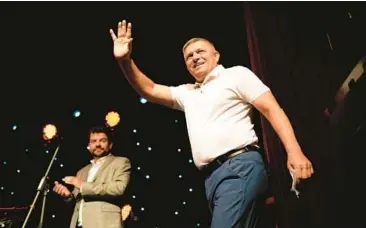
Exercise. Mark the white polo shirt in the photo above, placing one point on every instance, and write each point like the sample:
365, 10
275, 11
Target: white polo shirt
218, 111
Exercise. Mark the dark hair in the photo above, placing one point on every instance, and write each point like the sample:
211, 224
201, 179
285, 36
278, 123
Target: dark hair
102, 129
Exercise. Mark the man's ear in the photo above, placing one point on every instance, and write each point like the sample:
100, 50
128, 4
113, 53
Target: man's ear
110, 146
217, 56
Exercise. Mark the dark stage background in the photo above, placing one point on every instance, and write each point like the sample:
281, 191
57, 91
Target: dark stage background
56, 57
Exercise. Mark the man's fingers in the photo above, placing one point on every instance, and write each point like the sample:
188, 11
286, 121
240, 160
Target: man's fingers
114, 37
58, 188
67, 180
309, 172
64, 191
298, 172
121, 29
129, 30
304, 173
124, 28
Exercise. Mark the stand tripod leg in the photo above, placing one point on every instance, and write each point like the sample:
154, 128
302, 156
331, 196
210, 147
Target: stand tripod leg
40, 224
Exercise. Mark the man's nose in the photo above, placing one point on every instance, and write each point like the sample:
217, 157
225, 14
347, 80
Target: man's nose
195, 56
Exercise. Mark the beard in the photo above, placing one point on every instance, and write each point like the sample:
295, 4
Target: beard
101, 152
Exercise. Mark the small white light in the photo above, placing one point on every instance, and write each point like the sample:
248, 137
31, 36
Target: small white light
184, 202
47, 151
142, 209
176, 121
176, 213
18, 171
143, 100
15, 127
198, 224
61, 165
53, 216
133, 197
190, 160
180, 176
138, 168
147, 177
134, 130
138, 144
2, 187
179, 150
190, 189
12, 193
149, 148
76, 113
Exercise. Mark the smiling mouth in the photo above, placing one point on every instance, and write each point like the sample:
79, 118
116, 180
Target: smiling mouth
199, 65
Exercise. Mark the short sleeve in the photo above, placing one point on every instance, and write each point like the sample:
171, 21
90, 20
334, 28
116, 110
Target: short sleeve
248, 85
178, 94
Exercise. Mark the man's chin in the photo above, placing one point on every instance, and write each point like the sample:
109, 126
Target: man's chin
199, 77
96, 155
102, 154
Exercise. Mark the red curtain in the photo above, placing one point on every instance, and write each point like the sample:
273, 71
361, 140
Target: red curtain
289, 51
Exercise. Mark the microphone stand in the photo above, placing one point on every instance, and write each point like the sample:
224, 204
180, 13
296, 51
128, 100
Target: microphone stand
42, 188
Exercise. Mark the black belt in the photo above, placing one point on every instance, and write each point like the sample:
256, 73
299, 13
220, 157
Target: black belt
212, 166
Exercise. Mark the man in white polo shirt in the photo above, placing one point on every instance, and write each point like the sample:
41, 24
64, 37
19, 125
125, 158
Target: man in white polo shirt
223, 142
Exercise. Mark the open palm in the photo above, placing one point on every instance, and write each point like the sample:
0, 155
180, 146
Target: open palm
123, 41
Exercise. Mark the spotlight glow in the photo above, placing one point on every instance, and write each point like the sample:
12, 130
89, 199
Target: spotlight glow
49, 131
112, 119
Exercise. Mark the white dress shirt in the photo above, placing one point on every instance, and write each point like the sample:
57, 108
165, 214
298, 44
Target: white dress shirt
96, 164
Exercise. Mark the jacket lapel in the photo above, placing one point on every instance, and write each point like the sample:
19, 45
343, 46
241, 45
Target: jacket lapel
84, 175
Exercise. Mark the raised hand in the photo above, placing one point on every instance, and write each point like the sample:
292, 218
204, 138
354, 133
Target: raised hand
61, 190
122, 42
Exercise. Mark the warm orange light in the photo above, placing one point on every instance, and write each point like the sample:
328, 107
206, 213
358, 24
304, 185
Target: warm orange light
112, 119
49, 131
126, 211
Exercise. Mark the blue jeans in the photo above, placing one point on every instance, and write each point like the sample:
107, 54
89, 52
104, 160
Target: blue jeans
235, 191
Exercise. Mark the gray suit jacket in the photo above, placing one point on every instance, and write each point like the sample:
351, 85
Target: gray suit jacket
102, 196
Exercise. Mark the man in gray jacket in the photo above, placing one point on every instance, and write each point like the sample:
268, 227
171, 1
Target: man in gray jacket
99, 186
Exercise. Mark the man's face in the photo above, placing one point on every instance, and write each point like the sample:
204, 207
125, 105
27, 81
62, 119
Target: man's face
99, 145
200, 58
